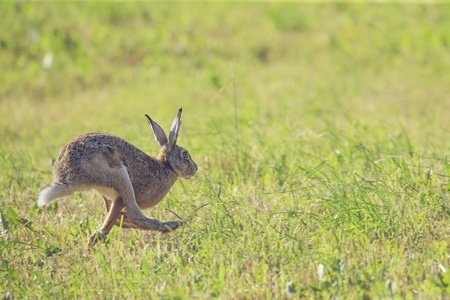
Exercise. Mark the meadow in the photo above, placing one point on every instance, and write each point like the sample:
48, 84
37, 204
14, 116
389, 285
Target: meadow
321, 132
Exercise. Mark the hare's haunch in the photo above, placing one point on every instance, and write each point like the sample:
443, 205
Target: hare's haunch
128, 179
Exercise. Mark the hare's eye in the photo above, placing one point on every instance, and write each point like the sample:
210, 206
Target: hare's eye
185, 154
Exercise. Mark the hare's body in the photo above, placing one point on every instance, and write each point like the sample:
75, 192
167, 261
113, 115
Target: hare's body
85, 159
126, 177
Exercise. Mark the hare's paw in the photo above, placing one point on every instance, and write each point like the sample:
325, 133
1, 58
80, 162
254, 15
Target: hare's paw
171, 225
95, 237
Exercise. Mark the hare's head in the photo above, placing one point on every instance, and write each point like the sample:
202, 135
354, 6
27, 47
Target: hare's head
177, 157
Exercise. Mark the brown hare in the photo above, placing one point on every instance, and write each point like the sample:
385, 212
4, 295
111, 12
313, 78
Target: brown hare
128, 179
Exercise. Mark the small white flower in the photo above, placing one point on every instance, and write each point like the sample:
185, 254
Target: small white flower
236, 190
290, 289
390, 285
320, 268
47, 61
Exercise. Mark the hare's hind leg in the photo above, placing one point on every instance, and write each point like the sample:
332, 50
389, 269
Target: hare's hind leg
125, 221
133, 216
115, 182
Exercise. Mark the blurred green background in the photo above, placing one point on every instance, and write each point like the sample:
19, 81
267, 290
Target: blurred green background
323, 129
320, 65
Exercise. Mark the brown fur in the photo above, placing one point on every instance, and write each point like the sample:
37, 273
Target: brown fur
128, 179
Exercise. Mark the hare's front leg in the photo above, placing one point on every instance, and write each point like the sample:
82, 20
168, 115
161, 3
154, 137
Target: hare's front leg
121, 220
114, 210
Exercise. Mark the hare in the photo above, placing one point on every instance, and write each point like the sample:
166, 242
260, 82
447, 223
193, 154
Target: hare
128, 179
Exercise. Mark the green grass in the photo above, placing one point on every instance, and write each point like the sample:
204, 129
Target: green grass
322, 134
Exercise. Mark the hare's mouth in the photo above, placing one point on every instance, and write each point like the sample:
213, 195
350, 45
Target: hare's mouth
187, 176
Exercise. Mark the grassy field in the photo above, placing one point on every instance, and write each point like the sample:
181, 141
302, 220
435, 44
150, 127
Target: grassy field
322, 133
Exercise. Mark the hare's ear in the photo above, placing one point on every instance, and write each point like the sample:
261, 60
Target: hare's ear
160, 136
174, 129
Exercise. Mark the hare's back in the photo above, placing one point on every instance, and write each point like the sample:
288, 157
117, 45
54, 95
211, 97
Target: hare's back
90, 146
89, 159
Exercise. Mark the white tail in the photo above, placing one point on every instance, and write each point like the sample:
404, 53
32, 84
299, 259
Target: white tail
52, 192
